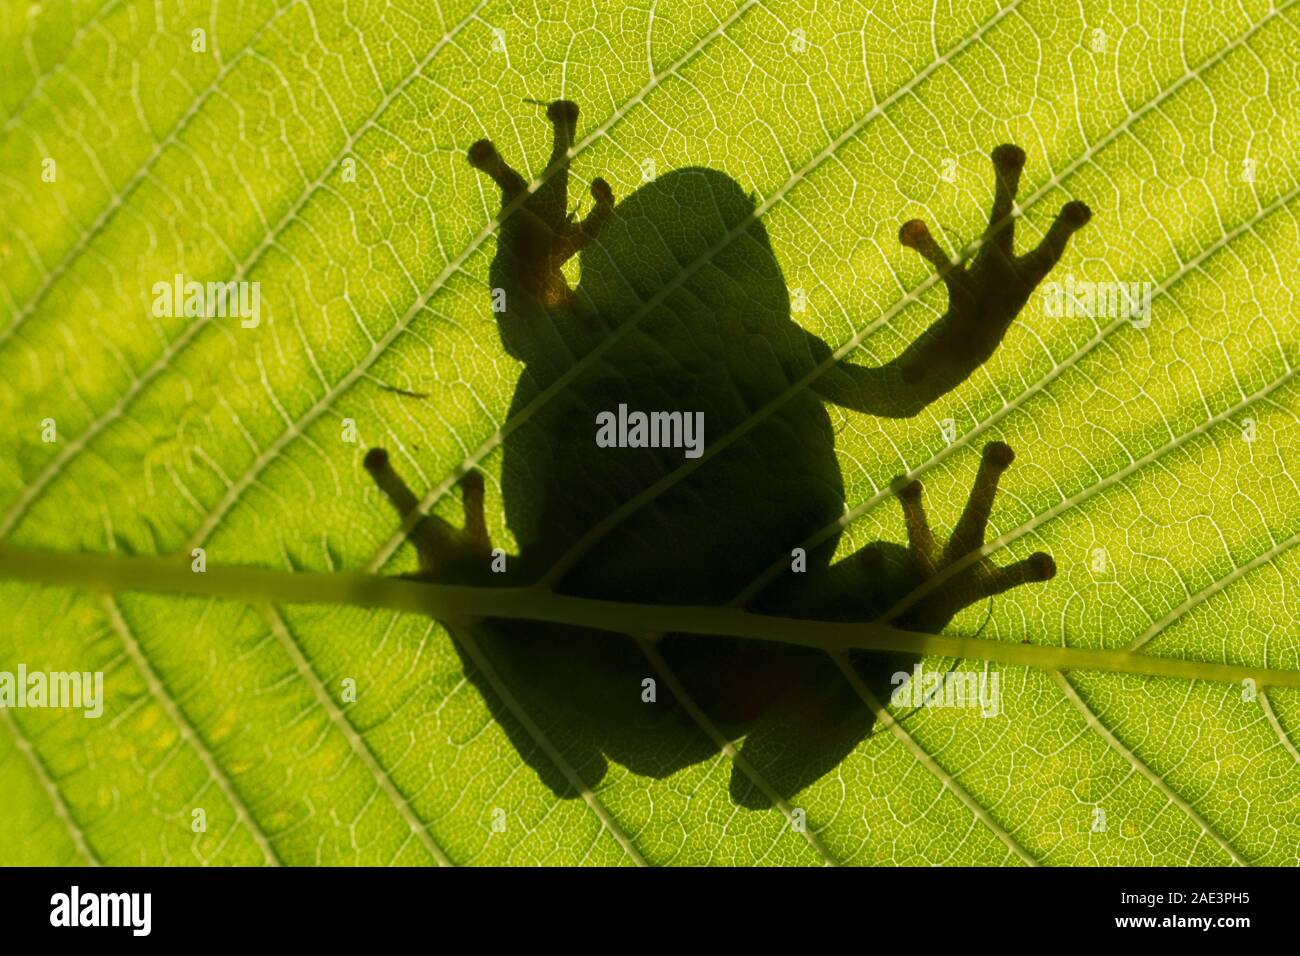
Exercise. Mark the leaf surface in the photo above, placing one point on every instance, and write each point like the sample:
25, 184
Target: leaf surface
174, 433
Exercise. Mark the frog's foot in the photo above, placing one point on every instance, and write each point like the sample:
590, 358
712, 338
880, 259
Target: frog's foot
965, 575
987, 293
540, 233
443, 549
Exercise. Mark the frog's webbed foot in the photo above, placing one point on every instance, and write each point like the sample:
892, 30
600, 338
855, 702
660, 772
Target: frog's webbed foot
987, 293
976, 579
539, 232
445, 552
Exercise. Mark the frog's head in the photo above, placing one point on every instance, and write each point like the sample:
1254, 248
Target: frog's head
537, 234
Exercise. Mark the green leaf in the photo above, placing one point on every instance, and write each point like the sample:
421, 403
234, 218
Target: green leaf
318, 149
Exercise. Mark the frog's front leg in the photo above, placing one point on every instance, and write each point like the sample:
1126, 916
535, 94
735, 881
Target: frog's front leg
984, 296
538, 234
446, 553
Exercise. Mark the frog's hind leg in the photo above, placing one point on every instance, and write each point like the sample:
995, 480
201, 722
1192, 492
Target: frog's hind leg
964, 574
441, 546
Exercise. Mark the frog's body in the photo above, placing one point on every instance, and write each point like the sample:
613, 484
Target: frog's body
682, 308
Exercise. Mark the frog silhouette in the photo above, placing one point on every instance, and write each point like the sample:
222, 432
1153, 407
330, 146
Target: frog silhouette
681, 309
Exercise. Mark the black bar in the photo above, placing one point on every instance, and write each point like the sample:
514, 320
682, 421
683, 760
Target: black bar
563, 908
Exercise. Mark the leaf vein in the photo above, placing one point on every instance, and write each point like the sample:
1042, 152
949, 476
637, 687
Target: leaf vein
355, 740
189, 733
1150, 775
51, 788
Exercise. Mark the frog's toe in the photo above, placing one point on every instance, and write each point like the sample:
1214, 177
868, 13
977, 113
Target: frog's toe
551, 198
471, 496
1008, 156
563, 115
601, 192
914, 234
1034, 569
1032, 267
999, 236
577, 236
968, 535
483, 156
440, 546
389, 481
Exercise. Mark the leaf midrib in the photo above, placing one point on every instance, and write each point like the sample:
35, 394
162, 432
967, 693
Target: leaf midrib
259, 586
